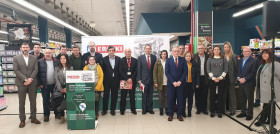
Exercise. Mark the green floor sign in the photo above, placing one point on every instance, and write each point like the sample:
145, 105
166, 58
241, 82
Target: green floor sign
80, 100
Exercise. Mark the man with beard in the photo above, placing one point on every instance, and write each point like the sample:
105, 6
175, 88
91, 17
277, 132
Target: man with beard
26, 69
37, 51
98, 56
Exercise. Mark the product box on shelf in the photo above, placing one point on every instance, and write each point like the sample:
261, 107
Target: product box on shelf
3, 103
10, 88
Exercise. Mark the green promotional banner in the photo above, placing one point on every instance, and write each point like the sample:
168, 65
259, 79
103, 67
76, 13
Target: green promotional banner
80, 100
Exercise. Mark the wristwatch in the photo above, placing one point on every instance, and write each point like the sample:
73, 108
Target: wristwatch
25, 80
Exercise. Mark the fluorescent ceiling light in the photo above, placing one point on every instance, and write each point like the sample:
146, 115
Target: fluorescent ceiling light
127, 16
51, 41
35, 38
250, 9
3, 32
47, 15
4, 41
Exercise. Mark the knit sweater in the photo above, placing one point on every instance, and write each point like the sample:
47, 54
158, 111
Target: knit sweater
217, 67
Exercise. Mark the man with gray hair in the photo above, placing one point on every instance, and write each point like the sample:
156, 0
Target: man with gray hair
46, 80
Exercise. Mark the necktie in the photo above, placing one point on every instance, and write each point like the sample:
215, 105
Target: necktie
148, 59
176, 62
128, 62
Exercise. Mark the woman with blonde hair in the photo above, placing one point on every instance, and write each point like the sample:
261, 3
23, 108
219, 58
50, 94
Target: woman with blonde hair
230, 77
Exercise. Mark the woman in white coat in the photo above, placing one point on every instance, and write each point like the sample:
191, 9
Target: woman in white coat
263, 84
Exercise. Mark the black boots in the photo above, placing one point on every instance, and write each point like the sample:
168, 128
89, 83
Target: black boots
161, 111
166, 111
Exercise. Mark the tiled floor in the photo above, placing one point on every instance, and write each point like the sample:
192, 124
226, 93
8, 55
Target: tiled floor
126, 124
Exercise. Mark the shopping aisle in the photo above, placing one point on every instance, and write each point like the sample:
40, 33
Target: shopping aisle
127, 124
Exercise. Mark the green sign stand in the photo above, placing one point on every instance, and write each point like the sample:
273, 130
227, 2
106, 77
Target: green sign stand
80, 100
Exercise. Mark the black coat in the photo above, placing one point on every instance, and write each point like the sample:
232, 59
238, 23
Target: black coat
98, 58
197, 60
144, 74
108, 70
195, 75
124, 70
249, 71
40, 56
42, 73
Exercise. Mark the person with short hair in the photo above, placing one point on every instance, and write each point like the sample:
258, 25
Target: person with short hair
192, 80
26, 68
37, 51
63, 50
46, 80
160, 82
76, 59
182, 50
111, 69
145, 67
246, 77
92, 52
176, 71
217, 68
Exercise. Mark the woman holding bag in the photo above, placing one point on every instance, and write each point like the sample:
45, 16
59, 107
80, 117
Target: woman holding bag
92, 66
60, 85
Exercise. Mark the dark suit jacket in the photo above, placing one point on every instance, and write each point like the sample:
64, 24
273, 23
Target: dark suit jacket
174, 74
108, 70
24, 72
232, 68
249, 71
195, 74
197, 60
98, 58
144, 74
124, 70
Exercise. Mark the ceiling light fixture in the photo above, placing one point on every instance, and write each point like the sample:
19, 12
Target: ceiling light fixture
250, 9
48, 15
127, 16
3, 32
4, 41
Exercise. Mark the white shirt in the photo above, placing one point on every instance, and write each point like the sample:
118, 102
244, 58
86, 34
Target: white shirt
202, 59
26, 59
164, 76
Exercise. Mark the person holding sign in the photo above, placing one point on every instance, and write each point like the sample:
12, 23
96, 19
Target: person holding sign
60, 82
160, 81
92, 66
128, 72
145, 67
111, 69
176, 71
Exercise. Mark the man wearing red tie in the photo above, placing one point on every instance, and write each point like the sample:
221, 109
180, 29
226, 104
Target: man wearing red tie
176, 71
145, 69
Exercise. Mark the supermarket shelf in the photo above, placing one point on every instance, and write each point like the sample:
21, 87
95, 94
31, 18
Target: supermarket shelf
2, 95
3, 107
9, 92
9, 83
9, 76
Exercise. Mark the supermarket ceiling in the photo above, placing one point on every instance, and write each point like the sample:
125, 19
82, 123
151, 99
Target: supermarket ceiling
107, 17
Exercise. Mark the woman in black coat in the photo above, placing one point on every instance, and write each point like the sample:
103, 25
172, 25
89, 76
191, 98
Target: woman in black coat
192, 81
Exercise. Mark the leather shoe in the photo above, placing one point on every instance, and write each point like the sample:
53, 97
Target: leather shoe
189, 114
231, 113
184, 114
104, 113
205, 112
258, 124
96, 116
241, 115
249, 118
198, 112
144, 112
257, 104
21, 124
170, 118
220, 115
122, 112
212, 115
113, 113
46, 118
58, 116
268, 122
151, 112
35, 121
180, 118
134, 112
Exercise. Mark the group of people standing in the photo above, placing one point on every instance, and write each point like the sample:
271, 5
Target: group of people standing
177, 78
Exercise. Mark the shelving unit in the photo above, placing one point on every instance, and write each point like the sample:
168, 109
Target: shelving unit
3, 104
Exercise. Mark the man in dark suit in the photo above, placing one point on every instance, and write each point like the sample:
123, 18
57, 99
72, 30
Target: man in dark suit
111, 68
128, 72
98, 56
246, 77
145, 69
176, 71
26, 69
201, 93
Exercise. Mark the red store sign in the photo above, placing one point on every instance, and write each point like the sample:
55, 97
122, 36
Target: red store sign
103, 48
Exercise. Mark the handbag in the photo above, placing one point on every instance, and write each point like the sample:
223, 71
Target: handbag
55, 103
63, 105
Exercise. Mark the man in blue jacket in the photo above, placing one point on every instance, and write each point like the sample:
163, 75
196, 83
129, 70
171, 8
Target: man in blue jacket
176, 71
